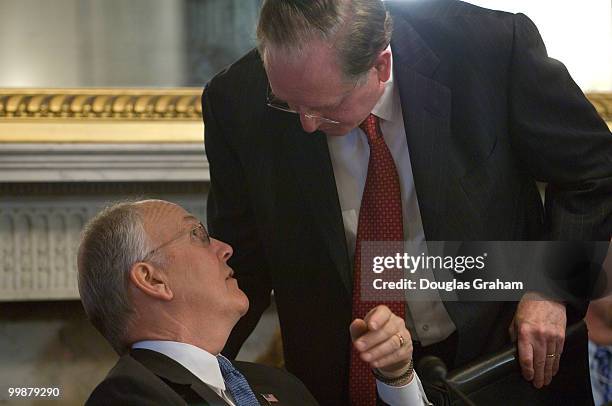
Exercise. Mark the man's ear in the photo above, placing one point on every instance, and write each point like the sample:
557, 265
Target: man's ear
383, 65
151, 281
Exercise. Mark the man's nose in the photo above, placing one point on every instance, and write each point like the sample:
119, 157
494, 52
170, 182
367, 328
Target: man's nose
224, 251
309, 124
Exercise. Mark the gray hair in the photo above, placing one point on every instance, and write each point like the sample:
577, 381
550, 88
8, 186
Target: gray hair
111, 243
358, 29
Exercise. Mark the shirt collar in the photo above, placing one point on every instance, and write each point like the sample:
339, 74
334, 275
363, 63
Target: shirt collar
199, 362
385, 107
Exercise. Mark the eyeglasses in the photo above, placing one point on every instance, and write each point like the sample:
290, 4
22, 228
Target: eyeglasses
278, 104
197, 233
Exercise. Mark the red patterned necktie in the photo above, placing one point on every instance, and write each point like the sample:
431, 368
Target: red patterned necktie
380, 219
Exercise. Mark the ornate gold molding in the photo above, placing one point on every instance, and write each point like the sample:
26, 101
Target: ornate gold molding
118, 115
101, 104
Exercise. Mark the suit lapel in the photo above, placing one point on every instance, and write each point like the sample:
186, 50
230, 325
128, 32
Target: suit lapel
311, 163
426, 106
207, 394
265, 383
170, 370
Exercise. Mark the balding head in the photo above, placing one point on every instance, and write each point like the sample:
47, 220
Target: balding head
149, 270
357, 30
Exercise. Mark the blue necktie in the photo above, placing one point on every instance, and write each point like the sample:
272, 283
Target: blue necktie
603, 355
236, 383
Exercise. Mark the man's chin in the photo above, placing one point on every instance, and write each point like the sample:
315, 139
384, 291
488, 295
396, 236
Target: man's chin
244, 301
245, 306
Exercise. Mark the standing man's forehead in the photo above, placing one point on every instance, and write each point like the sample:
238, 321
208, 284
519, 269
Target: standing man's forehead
313, 75
315, 54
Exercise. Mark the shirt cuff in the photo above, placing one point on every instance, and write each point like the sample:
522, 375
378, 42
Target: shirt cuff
409, 394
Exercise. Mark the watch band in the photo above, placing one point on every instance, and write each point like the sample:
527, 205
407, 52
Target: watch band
401, 380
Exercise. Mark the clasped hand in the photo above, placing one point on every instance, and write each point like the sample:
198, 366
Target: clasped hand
382, 340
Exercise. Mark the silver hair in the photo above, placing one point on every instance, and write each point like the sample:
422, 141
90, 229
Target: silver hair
357, 29
111, 243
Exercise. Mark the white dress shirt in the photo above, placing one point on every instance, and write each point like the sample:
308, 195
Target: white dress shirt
199, 362
411, 394
427, 320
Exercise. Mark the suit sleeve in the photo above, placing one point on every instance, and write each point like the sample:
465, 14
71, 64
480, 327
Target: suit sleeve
561, 140
230, 216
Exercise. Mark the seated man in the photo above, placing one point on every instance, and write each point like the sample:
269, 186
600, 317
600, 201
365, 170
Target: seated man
160, 291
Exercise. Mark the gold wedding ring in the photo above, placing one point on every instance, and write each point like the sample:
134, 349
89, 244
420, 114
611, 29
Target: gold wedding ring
402, 341
551, 355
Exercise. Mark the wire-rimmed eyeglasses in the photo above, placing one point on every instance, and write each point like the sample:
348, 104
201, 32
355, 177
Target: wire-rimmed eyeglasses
197, 234
278, 104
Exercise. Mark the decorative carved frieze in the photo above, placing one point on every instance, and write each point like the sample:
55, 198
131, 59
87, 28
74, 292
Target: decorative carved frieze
38, 250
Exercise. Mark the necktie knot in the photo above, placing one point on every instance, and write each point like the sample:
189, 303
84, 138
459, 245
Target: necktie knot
371, 127
226, 366
236, 383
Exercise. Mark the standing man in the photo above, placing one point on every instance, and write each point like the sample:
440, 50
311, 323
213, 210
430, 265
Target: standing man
430, 118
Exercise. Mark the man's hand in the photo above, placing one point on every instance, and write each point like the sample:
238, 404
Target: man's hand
539, 325
383, 341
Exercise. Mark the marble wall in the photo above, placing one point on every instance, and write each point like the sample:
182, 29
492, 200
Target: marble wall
102, 43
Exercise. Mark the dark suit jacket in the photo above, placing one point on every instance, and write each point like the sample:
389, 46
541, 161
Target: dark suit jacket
486, 113
147, 377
